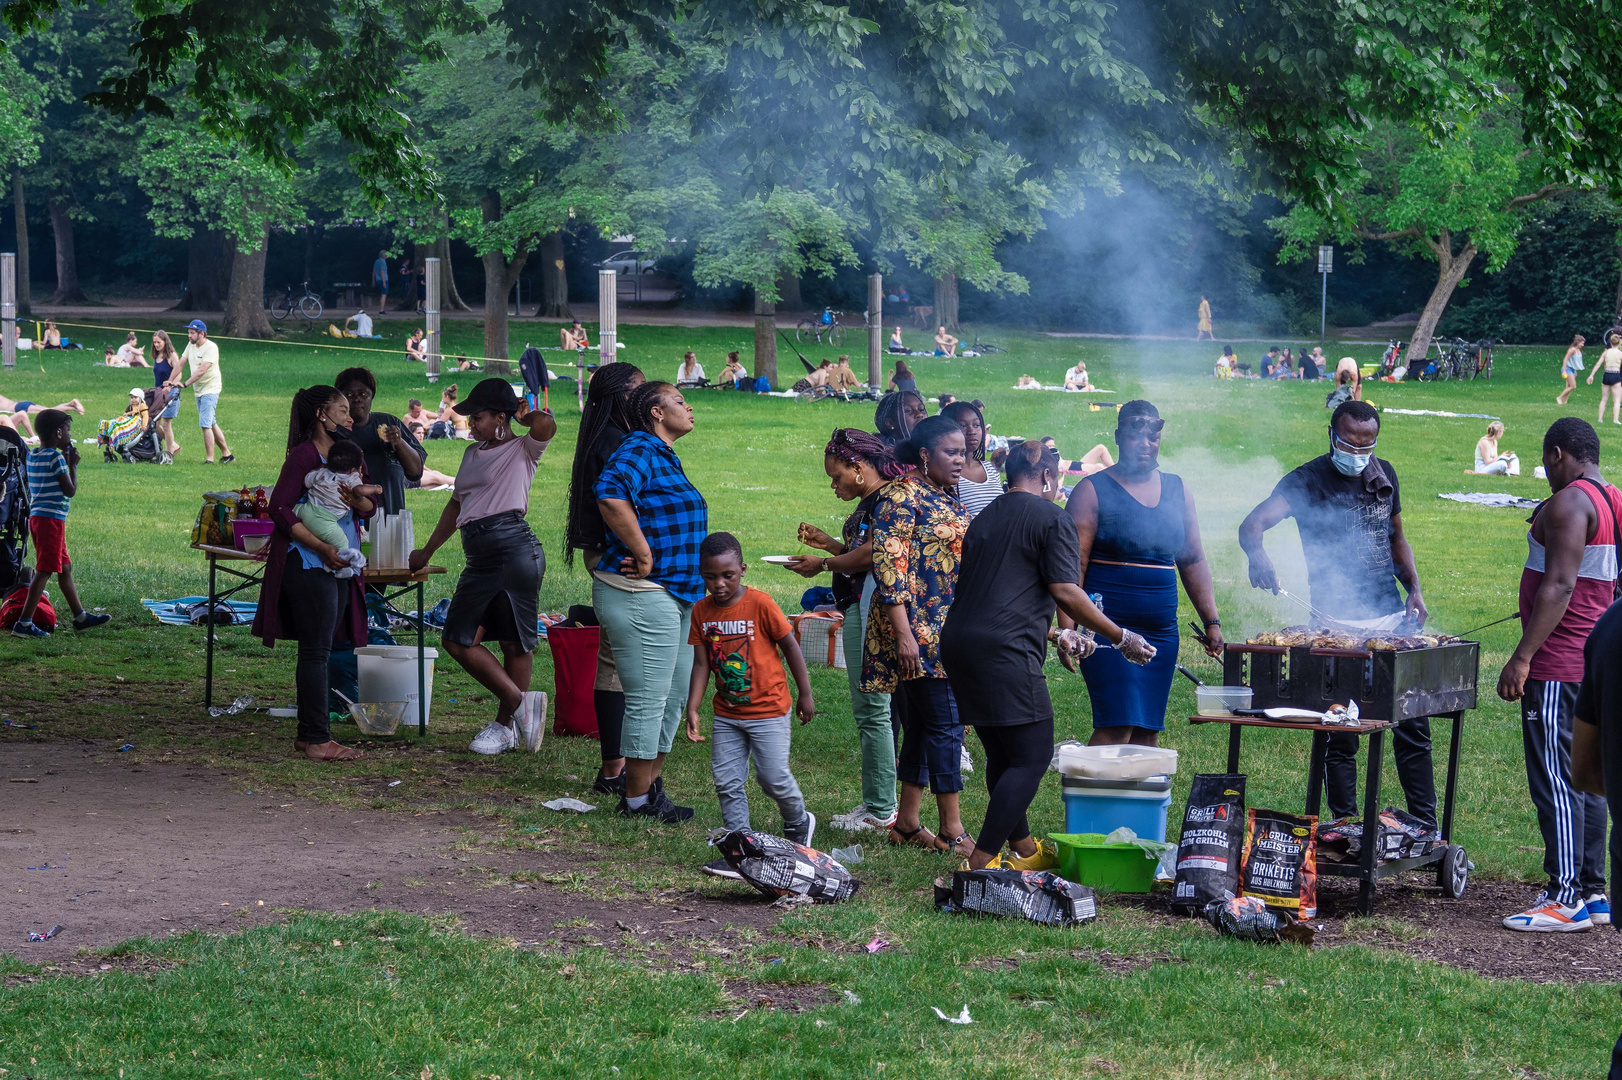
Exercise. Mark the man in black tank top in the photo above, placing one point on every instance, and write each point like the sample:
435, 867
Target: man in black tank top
1348, 507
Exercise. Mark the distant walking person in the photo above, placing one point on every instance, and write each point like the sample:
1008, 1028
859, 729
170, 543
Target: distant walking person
1204, 330
1571, 366
380, 281
202, 356
1611, 385
1568, 583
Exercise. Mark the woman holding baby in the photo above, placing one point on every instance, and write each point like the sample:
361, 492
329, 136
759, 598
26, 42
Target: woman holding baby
302, 597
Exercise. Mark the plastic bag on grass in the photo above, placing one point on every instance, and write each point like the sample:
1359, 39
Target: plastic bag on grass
1038, 895
1249, 919
779, 867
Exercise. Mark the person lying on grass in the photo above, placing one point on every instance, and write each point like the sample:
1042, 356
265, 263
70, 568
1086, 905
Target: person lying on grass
737, 631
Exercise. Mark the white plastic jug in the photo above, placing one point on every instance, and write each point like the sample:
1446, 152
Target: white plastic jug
389, 673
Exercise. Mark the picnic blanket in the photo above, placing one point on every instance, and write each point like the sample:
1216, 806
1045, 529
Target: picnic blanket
1491, 498
436, 617
1062, 390
179, 612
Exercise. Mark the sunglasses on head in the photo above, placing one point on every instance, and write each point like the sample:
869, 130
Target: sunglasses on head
1150, 425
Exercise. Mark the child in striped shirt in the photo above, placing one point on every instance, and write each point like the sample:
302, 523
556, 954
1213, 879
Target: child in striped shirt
52, 482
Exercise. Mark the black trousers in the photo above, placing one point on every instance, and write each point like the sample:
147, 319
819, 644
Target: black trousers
1017, 757
1410, 745
610, 708
1572, 821
314, 604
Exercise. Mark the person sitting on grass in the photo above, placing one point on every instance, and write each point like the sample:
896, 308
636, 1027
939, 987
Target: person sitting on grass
358, 325
737, 631
417, 419
1489, 461
52, 483
51, 338
325, 506
1076, 378
896, 344
842, 379
416, 350
129, 353
734, 372
573, 337
945, 344
689, 372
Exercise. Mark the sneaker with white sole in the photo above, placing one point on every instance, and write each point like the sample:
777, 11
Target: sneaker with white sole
1599, 909
838, 820
964, 760
530, 720
494, 739
1548, 916
722, 869
867, 819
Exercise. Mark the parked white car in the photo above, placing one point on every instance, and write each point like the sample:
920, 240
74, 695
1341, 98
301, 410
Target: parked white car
628, 262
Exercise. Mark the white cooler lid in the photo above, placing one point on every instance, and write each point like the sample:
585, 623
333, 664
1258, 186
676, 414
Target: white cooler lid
396, 652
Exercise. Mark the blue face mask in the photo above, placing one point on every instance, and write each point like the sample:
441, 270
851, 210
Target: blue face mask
1348, 463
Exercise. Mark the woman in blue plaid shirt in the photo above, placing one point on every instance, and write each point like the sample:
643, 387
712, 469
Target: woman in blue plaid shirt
645, 587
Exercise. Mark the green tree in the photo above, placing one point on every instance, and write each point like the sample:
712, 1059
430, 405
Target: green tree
1447, 199
196, 181
22, 99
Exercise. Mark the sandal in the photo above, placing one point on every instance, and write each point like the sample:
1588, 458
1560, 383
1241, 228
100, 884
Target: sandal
952, 846
902, 838
332, 750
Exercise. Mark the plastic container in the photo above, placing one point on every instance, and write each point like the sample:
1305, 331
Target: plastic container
389, 673
242, 528
1085, 859
1102, 806
1222, 700
378, 717
1123, 762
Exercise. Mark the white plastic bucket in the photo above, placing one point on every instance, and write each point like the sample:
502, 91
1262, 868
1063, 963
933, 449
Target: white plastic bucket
1116, 762
389, 673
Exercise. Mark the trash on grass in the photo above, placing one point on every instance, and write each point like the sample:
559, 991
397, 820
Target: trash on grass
851, 997
779, 867
875, 945
34, 935
1038, 895
395, 783
961, 1018
240, 705
850, 856
126, 748
1152, 849
573, 805
1249, 919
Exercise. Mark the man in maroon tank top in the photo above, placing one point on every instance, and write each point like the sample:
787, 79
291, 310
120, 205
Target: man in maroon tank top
1569, 581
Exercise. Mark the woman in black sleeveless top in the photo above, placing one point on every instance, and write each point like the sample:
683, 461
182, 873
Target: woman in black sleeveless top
1138, 533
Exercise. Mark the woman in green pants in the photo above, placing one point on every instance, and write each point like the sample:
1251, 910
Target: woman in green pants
858, 464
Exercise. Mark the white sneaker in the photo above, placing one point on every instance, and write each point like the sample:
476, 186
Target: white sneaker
1548, 916
839, 821
964, 759
867, 819
494, 739
530, 720
1599, 909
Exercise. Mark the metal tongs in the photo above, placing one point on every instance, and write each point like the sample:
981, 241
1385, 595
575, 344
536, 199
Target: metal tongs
1314, 612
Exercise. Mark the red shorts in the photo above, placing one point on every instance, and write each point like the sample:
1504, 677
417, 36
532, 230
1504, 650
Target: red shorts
50, 537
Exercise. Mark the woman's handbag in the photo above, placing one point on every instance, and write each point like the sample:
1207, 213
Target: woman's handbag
574, 665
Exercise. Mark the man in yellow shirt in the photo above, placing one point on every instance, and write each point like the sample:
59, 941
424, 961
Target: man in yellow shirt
203, 356
842, 378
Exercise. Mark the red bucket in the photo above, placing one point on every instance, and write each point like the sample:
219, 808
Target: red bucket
574, 667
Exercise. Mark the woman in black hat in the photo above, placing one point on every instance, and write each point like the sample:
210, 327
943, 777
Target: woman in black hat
498, 595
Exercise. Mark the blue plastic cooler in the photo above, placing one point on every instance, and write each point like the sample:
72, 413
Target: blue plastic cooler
1102, 806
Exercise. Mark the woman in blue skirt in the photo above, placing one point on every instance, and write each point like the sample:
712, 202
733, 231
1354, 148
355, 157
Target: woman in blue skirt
1138, 533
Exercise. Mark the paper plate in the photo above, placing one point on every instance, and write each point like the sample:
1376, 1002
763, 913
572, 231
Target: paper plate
778, 560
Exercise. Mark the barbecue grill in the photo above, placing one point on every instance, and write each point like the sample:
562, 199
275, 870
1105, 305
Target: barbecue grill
1388, 686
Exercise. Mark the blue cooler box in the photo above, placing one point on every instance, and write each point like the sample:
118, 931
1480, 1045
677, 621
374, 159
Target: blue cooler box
1102, 806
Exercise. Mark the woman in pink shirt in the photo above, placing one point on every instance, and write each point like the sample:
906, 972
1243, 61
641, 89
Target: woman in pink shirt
498, 595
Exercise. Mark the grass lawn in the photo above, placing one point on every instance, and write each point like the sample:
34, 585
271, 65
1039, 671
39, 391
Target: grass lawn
406, 997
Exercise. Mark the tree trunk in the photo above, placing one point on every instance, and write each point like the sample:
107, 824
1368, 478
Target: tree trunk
1618, 320
766, 340
19, 203
499, 274
309, 251
554, 281
1451, 269
245, 311
208, 271
946, 302
788, 288
67, 259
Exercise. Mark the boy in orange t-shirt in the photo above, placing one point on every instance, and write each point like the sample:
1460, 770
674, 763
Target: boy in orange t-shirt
737, 631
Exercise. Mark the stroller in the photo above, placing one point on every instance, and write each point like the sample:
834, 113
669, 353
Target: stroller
126, 438
13, 507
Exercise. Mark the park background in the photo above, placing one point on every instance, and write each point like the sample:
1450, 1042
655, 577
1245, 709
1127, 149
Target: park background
1023, 228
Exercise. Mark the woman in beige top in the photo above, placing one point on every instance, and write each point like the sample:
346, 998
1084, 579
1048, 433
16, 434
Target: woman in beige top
1610, 386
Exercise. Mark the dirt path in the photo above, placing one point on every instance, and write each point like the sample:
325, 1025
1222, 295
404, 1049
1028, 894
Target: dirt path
112, 852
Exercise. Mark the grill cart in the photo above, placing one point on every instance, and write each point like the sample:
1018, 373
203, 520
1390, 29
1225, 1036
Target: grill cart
1388, 685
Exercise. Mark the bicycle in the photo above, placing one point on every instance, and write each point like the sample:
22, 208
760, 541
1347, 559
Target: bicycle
822, 327
1483, 357
985, 348
308, 305
1391, 359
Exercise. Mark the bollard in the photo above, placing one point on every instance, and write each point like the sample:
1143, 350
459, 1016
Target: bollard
607, 325
875, 330
8, 310
431, 342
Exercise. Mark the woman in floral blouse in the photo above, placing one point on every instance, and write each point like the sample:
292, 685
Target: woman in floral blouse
918, 529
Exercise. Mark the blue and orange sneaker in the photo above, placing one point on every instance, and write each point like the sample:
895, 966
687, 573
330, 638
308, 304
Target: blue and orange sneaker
1548, 916
1599, 909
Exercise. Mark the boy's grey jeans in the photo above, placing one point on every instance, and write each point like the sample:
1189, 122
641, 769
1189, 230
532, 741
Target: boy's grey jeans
732, 743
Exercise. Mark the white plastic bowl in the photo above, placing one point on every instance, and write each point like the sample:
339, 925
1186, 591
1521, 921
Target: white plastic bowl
1124, 762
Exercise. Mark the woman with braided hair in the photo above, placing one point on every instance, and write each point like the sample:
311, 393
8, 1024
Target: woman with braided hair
859, 465
603, 426
645, 585
898, 413
301, 597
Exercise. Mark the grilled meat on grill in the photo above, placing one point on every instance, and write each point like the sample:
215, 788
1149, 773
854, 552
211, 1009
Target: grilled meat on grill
1322, 638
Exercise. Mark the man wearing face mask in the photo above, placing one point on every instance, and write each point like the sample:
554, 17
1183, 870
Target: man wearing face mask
1348, 509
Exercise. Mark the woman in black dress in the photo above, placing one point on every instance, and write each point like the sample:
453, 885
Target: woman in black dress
1020, 562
